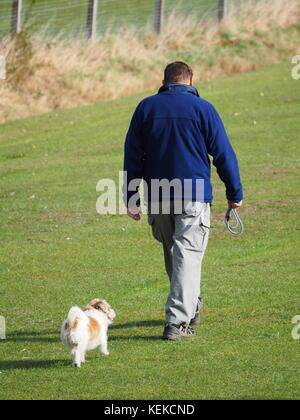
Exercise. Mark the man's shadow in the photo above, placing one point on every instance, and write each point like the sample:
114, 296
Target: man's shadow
148, 323
136, 324
32, 364
33, 336
54, 337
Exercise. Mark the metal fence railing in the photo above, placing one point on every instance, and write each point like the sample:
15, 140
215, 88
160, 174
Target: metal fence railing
94, 17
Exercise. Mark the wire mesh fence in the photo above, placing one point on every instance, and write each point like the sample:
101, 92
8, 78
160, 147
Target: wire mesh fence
70, 17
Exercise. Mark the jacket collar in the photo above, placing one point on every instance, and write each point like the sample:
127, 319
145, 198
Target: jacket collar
178, 87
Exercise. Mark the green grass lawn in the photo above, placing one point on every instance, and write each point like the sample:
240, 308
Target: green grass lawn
56, 251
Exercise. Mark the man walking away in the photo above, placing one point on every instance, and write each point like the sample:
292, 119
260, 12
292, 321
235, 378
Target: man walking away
170, 138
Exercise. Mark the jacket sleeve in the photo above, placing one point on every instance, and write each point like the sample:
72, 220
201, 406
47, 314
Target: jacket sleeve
134, 155
224, 158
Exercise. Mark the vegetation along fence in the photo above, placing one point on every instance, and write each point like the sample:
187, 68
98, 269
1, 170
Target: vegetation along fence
91, 18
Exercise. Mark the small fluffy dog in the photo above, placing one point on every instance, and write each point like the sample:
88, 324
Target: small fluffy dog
85, 330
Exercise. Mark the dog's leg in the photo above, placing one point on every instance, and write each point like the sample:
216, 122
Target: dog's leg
77, 357
103, 344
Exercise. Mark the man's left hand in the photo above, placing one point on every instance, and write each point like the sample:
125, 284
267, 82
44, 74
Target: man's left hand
233, 205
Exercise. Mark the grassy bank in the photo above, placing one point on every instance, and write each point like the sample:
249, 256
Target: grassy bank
46, 74
56, 252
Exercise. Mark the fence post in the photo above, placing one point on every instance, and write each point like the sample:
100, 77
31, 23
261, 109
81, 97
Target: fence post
2, 328
222, 9
16, 19
158, 15
92, 19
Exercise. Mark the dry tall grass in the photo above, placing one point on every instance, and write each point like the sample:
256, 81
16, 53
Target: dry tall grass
52, 74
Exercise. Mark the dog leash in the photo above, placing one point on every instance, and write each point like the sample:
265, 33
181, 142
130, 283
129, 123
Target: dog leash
238, 228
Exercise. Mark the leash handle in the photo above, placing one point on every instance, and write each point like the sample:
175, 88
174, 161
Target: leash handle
236, 229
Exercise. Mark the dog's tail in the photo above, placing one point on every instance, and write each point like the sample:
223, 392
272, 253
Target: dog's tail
75, 315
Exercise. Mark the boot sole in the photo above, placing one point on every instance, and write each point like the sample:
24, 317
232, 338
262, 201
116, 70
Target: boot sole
196, 322
173, 337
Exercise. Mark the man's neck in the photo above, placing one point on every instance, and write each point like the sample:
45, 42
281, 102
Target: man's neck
178, 87
185, 82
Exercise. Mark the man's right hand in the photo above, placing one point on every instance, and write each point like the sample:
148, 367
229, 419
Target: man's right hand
233, 205
134, 213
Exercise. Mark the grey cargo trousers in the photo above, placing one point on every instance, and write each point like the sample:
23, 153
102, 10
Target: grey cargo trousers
184, 238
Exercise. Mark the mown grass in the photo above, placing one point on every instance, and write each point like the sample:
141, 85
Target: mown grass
57, 252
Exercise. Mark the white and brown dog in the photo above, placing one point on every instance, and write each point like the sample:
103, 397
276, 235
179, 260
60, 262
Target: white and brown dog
86, 330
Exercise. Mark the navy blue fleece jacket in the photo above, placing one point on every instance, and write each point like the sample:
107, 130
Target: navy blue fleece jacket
171, 135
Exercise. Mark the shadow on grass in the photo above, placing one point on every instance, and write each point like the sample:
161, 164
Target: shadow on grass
32, 364
135, 337
142, 333
54, 336
149, 323
33, 336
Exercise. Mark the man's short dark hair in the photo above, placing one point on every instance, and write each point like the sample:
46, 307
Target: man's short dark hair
177, 72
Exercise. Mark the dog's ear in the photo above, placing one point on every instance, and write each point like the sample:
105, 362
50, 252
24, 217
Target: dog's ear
95, 303
99, 305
